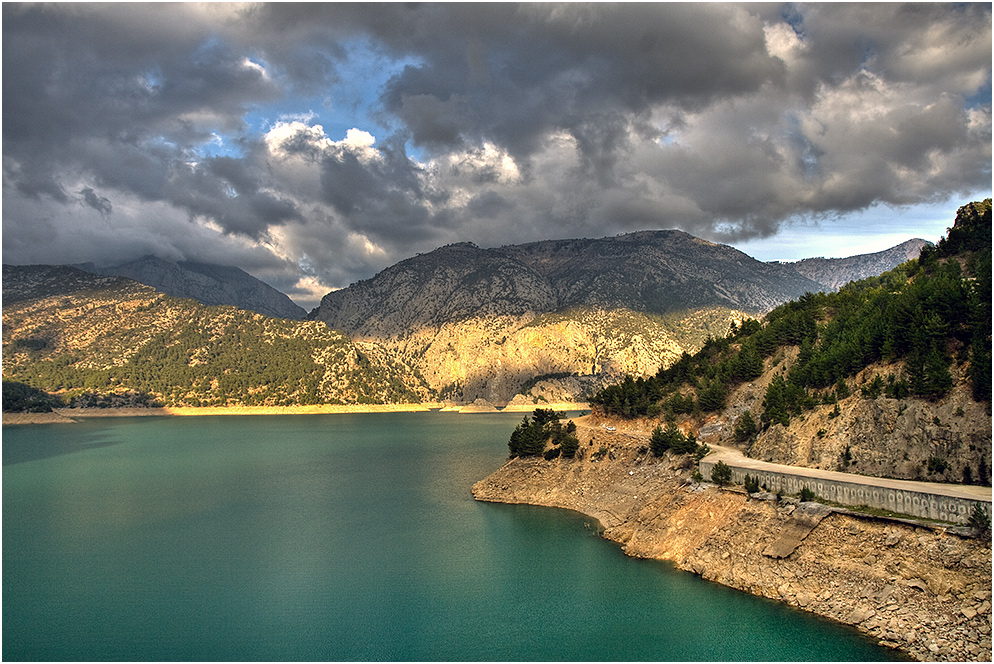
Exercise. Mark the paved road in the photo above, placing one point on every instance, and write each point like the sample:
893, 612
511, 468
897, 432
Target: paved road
735, 458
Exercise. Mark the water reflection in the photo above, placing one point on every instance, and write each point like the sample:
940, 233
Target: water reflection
42, 441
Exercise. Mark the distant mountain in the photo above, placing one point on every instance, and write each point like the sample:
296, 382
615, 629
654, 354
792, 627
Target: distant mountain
534, 323
833, 273
207, 283
653, 272
488, 323
27, 282
485, 323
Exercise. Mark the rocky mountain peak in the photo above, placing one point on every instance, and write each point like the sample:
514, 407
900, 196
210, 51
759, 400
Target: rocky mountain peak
833, 273
649, 271
205, 282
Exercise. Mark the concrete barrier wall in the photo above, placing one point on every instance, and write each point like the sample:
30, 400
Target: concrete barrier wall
855, 493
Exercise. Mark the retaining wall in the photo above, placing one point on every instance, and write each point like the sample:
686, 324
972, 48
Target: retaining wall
855, 492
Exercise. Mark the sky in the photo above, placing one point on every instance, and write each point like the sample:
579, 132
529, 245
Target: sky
315, 144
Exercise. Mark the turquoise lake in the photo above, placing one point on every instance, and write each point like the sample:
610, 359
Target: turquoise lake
338, 538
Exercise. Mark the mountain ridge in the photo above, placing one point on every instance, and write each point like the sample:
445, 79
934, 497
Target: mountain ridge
464, 315
209, 284
636, 271
833, 273
102, 341
547, 320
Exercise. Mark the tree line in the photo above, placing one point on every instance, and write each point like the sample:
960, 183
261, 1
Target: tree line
531, 436
926, 312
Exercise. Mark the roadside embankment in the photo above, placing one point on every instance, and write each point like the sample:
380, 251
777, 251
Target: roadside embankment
921, 589
928, 500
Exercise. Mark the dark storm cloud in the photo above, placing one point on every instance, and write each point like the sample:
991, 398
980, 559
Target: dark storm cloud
95, 201
519, 71
498, 123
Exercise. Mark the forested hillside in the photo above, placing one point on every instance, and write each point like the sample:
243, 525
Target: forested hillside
99, 341
914, 334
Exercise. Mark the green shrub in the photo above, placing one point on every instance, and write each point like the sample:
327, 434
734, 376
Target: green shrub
19, 397
807, 495
751, 484
937, 465
721, 474
980, 521
702, 451
745, 427
569, 444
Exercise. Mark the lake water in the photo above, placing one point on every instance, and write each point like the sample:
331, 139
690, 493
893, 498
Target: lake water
338, 537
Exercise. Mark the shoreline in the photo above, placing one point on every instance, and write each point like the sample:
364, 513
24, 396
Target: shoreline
922, 590
70, 415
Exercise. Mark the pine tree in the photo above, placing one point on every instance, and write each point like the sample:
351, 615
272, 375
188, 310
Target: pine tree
745, 427
721, 474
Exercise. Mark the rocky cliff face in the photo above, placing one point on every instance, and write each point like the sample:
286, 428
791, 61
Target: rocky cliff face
947, 440
654, 272
923, 590
482, 323
833, 273
208, 284
476, 321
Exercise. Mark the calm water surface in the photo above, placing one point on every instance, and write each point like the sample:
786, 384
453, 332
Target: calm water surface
338, 537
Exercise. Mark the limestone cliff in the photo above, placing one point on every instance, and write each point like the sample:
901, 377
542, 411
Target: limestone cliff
481, 323
945, 440
921, 589
579, 313
495, 358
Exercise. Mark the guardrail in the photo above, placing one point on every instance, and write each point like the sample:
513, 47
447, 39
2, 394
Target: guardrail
902, 497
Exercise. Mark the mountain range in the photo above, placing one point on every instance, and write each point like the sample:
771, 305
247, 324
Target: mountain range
833, 273
110, 341
543, 321
205, 282
482, 323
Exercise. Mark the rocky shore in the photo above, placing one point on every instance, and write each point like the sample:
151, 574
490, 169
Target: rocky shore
921, 589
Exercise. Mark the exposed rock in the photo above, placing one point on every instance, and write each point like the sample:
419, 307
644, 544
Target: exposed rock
833, 273
860, 614
802, 521
882, 437
481, 323
656, 512
479, 406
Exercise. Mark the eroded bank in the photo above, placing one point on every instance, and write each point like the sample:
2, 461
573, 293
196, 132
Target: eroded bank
922, 589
